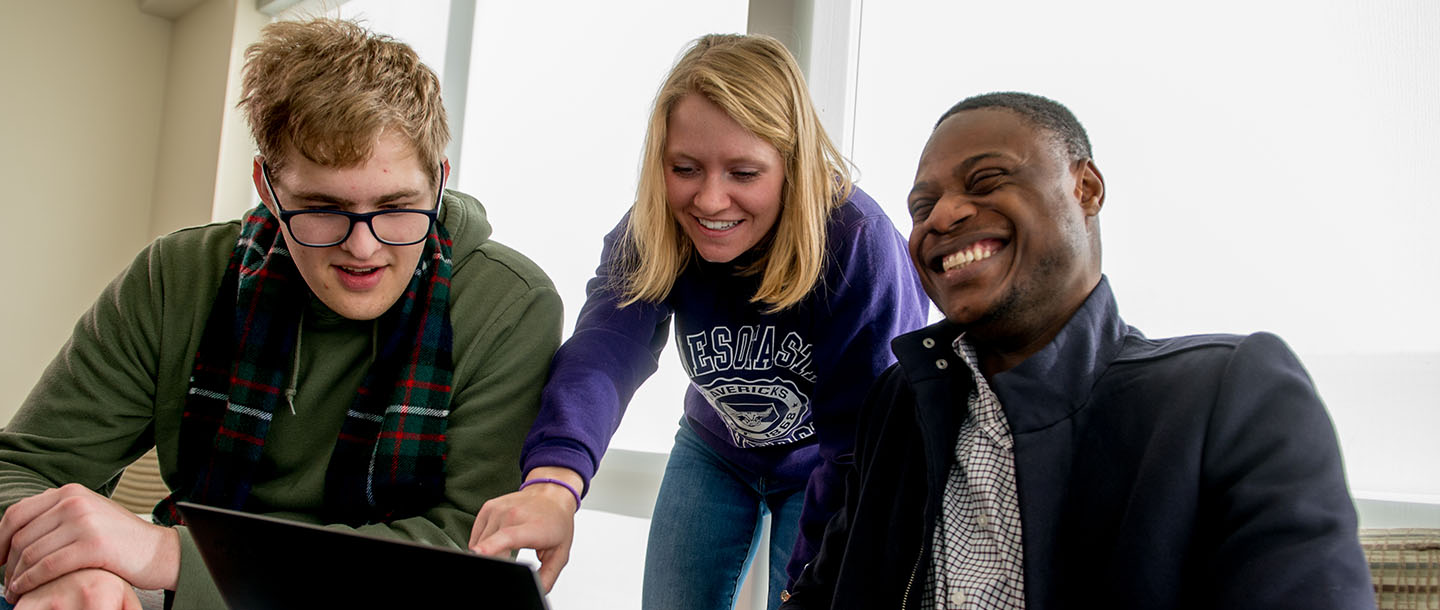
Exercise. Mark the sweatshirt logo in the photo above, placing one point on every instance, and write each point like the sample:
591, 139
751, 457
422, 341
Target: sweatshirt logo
747, 348
760, 412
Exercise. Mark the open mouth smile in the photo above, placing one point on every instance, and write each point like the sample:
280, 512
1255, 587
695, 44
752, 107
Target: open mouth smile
717, 225
967, 256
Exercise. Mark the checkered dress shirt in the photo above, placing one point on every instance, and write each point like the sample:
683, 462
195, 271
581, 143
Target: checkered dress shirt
978, 556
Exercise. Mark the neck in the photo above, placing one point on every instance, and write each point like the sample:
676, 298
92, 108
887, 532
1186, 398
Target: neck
1000, 354
1003, 343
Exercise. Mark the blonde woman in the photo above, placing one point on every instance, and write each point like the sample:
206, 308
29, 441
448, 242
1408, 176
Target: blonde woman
785, 284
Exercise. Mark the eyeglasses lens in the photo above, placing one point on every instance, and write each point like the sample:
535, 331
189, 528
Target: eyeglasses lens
394, 227
401, 226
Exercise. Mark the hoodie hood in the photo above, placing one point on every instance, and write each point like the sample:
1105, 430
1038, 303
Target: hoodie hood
464, 217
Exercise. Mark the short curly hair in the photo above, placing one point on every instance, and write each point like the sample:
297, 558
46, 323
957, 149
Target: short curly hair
327, 89
1042, 112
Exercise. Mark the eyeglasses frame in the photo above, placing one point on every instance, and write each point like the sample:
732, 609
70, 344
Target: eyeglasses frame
355, 217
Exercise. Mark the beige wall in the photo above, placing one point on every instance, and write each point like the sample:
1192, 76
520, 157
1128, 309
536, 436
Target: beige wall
194, 105
111, 130
81, 118
205, 148
234, 192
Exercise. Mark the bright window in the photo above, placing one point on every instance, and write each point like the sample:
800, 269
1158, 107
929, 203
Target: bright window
1268, 167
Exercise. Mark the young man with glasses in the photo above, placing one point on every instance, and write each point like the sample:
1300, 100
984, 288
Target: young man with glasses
354, 352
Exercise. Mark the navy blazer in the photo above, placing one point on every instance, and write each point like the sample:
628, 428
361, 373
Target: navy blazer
1196, 472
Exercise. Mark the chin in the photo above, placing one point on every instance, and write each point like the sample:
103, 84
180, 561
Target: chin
716, 255
360, 309
363, 316
962, 311
960, 317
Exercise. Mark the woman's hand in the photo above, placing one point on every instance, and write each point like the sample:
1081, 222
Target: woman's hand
540, 517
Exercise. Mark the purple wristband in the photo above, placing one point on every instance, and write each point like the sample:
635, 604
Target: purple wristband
557, 482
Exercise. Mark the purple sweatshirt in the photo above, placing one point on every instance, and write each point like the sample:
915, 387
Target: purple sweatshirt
775, 394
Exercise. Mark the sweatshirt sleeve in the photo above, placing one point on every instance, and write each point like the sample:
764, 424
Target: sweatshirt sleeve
596, 372
873, 295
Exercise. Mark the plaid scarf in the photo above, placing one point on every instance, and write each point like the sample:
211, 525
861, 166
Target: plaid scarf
389, 460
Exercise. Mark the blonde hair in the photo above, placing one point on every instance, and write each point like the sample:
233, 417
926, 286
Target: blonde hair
329, 88
756, 81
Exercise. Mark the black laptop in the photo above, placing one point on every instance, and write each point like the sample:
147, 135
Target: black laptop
263, 562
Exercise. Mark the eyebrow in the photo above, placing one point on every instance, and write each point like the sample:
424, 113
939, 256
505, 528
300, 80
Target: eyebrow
958, 172
320, 197
672, 155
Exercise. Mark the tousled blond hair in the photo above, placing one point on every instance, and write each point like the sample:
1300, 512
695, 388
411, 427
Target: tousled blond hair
327, 89
756, 81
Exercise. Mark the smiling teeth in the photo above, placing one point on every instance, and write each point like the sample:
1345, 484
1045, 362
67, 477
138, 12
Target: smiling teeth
717, 225
358, 269
977, 252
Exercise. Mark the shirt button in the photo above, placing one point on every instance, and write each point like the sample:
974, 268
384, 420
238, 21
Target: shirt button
957, 598
928, 342
942, 364
983, 521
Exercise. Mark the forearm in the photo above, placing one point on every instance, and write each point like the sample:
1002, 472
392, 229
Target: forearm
812, 583
824, 496
593, 377
18, 483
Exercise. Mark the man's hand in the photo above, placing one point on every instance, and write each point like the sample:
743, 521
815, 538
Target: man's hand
87, 589
540, 517
61, 531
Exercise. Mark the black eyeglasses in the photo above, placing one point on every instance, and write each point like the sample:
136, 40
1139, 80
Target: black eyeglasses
324, 228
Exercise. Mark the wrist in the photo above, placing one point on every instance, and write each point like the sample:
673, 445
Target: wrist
166, 565
556, 484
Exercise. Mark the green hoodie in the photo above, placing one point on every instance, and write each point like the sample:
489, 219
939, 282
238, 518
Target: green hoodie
118, 385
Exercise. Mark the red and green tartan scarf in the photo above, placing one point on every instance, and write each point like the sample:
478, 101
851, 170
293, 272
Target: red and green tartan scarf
389, 460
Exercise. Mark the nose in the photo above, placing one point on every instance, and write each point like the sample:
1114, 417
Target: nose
361, 243
711, 197
949, 211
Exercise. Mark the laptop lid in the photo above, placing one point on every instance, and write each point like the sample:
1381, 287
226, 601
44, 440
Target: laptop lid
270, 563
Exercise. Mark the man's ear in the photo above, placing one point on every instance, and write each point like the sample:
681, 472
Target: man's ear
444, 172
1090, 188
258, 178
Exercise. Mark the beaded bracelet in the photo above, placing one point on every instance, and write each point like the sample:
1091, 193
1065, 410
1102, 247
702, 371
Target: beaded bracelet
557, 482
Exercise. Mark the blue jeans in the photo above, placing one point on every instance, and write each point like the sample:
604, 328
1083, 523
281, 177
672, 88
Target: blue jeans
707, 521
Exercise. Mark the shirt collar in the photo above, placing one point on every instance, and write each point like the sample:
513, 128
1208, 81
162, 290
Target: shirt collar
1055, 382
1052, 383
